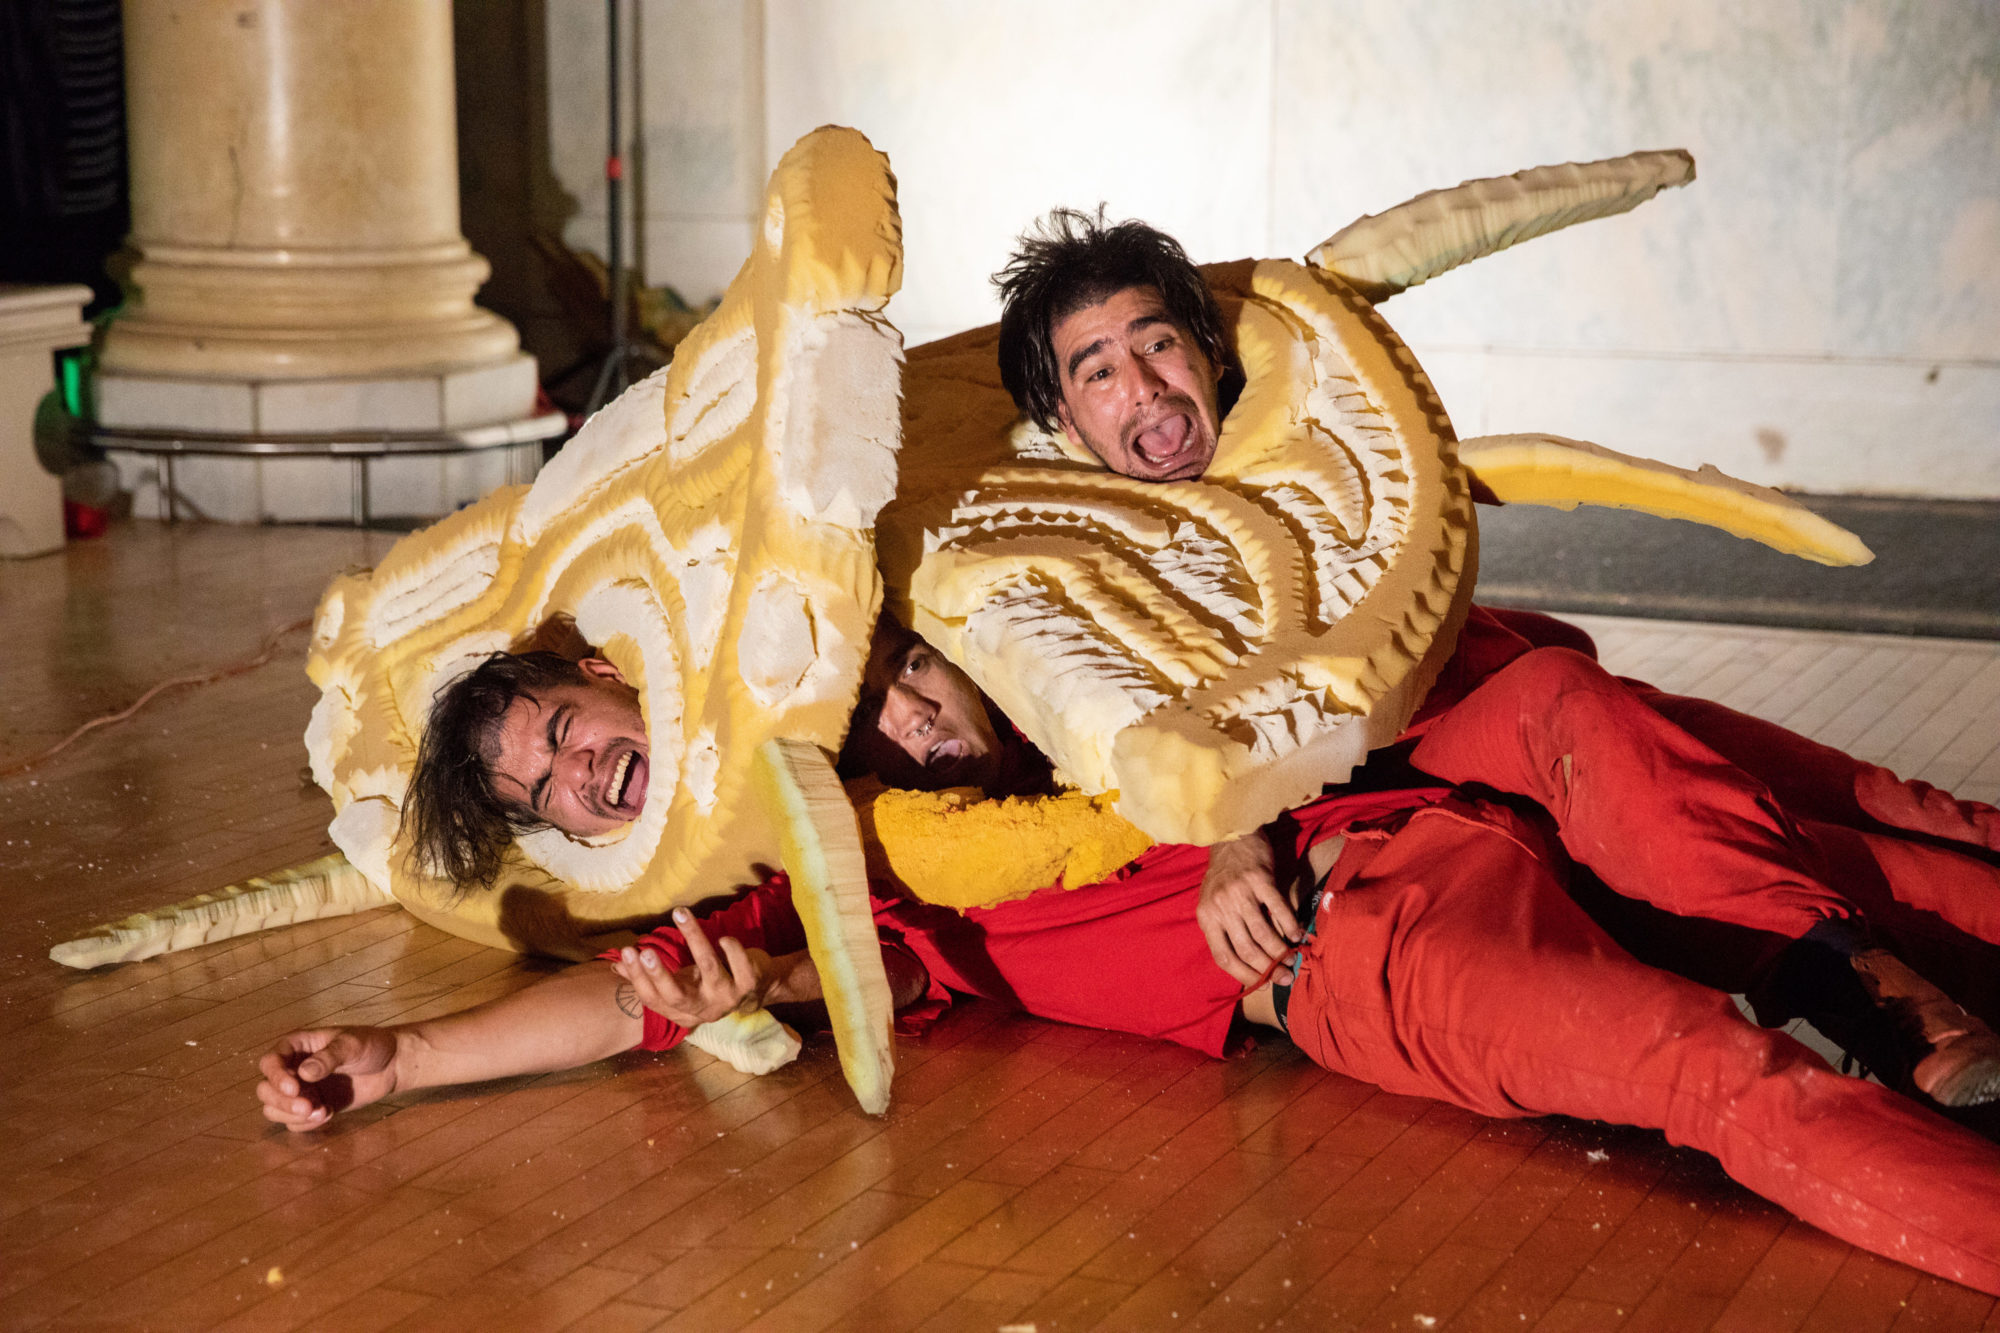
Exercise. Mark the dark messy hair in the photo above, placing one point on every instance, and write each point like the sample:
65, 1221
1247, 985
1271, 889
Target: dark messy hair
1069, 260
458, 825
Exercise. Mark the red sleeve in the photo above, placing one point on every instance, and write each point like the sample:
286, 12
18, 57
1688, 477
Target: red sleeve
762, 919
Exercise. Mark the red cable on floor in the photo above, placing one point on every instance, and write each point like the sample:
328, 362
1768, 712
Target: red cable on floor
264, 655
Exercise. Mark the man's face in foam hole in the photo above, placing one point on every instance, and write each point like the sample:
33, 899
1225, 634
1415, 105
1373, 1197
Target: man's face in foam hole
575, 756
922, 724
1137, 391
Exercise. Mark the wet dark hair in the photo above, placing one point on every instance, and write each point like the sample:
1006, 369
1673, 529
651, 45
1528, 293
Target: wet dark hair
1069, 260
458, 825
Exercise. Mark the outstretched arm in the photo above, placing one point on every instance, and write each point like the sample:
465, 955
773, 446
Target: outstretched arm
584, 1014
573, 1018
577, 1017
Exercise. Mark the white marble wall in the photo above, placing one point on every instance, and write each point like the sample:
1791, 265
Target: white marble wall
1821, 309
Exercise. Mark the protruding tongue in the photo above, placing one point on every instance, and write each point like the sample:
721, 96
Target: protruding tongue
633, 798
1164, 440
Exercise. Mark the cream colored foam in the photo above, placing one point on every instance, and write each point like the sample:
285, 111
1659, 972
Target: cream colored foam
1212, 650
1562, 474
1415, 241
710, 530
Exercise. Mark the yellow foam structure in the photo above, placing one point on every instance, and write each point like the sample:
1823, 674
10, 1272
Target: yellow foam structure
1561, 473
821, 846
1195, 656
1394, 250
710, 531
1211, 650
1214, 651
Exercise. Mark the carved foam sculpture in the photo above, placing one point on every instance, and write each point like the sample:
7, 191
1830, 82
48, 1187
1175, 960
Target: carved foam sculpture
1199, 655
711, 532
1215, 650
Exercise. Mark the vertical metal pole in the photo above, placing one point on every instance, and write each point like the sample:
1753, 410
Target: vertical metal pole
614, 194
611, 376
167, 485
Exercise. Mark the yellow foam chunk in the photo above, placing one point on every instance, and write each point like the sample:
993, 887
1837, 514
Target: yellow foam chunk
1213, 651
822, 853
1394, 250
1562, 474
957, 849
711, 531
751, 1041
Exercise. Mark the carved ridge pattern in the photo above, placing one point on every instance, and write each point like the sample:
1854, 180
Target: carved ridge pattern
649, 528
1214, 628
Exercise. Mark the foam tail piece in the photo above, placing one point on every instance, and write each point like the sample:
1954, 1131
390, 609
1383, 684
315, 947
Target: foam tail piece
1394, 250
1562, 474
325, 887
822, 854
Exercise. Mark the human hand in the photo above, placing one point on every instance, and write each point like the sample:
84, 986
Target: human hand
310, 1077
722, 978
1243, 914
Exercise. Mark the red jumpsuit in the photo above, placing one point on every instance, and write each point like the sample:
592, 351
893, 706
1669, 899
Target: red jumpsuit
1448, 962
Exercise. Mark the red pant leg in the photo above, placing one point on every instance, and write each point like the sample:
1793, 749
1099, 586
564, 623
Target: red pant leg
1544, 631
1652, 811
1814, 781
1448, 963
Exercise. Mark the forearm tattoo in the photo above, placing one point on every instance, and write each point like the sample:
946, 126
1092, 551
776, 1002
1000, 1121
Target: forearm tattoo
627, 1000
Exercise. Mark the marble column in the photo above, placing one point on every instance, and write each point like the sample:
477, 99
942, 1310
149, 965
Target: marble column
299, 267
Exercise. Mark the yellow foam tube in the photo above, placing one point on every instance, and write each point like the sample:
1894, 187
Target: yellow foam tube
1394, 250
1562, 474
821, 849
323, 887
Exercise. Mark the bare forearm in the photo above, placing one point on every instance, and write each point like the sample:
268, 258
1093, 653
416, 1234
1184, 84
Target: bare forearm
576, 1017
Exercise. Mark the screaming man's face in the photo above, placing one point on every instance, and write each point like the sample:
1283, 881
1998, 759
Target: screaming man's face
922, 724
1137, 391
574, 756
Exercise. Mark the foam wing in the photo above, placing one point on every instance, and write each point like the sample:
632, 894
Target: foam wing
1394, 250
1563, 473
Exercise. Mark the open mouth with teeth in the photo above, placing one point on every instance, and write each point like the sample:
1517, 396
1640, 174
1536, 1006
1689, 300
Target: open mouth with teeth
625, 791
1170, 443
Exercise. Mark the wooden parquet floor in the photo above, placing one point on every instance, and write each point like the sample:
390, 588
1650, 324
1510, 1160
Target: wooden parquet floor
1029, 1175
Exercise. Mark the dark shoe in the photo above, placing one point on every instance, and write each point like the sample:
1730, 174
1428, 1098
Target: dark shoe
1961, 1066
1900, 1027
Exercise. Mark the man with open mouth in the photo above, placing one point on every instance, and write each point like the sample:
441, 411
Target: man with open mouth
1110, 334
